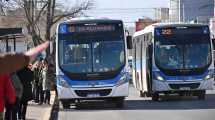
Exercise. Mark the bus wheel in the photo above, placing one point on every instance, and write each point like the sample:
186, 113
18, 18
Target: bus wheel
66, 105
148, 94
201, 95
142, 94
119, 102
155, 96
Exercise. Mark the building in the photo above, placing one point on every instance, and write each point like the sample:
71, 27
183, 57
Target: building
20, 46
7, 41
162, 14
143, 22
191, 10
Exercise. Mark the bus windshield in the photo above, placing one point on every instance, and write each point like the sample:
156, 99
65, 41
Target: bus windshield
183, 51
98, 56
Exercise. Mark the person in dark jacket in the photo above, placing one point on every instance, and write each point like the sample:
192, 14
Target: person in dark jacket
26, 76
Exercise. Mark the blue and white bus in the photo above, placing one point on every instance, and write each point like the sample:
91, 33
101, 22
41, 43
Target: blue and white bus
173, 59
91, 61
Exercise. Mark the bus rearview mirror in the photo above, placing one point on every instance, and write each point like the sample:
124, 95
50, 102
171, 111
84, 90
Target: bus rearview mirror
129, 42
213, 41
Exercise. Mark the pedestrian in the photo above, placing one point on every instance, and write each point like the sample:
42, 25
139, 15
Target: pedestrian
7, 93
37, 77
40, 82
51, 73
11, 62
12, 110
26, 76
46, 82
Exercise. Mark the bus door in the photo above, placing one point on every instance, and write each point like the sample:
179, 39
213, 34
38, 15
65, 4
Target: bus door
149, 51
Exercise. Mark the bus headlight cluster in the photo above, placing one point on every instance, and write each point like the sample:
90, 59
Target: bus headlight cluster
63, 83
122, 80
209, 76
159, 77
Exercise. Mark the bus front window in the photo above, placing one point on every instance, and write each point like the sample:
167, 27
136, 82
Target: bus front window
170, 56
108, 55
76, 58
197, 55
186, 52
99, 56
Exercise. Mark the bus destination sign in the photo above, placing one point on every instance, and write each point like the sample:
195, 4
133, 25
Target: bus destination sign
91, 28
182, 30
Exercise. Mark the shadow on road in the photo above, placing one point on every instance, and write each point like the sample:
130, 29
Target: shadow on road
171, 103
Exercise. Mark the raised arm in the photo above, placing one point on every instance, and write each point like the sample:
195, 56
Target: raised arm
11, 62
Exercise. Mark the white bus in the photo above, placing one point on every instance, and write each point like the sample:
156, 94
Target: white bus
173, 59
91, 61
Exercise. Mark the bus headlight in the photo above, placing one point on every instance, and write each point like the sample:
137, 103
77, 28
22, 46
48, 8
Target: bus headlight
210, 75
159, 77
122, 80
63, 83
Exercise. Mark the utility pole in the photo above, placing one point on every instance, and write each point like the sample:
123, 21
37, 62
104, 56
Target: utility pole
179, 11
183, 12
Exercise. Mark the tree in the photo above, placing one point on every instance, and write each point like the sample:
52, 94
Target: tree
44, 14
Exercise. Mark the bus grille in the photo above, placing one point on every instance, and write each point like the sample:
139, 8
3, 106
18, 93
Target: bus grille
84, 93
189, 85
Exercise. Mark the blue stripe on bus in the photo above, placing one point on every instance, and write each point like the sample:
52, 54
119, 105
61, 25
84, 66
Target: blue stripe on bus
73, 82
172, 78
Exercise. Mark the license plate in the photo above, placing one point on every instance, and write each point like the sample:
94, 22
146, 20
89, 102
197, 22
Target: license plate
93, 95
185, 88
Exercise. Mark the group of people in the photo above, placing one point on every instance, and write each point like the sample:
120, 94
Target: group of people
16, 78
41, 84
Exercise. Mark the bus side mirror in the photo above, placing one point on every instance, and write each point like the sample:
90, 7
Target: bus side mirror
213, 42
129, 42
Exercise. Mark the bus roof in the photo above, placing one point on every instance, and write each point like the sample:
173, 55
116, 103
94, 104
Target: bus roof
150, 28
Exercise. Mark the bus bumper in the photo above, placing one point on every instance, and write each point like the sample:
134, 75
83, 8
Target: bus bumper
160, 86
92, 93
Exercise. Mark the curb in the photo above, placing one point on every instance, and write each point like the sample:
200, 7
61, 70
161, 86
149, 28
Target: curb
55, 110
48, 112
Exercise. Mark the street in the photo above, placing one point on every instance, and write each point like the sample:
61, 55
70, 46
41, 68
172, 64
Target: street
136, 108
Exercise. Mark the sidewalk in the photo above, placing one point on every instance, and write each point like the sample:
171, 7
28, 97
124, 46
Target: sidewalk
40, 112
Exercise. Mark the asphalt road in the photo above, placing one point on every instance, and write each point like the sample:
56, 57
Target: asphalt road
136, 108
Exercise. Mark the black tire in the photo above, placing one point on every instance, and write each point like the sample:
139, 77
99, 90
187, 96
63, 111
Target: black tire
155, 96
181, 94
65, 104
148, 94
142, 94
119, 102
201, 95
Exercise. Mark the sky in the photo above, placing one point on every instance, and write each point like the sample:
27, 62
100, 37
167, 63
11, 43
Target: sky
127, 10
